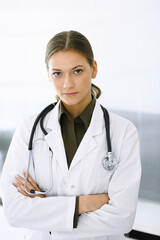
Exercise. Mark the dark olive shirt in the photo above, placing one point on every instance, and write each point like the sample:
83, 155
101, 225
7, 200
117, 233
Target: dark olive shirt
72, 133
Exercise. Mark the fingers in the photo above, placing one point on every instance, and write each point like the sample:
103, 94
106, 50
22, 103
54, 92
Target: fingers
32, 182
20, 188
24, 193
21, 180
108, 199
90, 203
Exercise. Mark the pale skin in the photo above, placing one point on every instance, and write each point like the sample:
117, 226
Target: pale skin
71, 75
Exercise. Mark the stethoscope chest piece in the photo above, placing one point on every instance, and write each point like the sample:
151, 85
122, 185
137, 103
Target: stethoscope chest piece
109, 162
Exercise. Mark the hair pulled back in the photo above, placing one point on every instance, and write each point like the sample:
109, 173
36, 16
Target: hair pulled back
72, 40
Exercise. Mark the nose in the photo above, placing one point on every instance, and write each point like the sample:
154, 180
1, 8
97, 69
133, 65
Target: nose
68, 82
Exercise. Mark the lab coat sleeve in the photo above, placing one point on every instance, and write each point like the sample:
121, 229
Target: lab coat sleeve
37, 213
117, 217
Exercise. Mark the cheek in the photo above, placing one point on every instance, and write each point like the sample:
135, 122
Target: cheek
56, 85
86, 82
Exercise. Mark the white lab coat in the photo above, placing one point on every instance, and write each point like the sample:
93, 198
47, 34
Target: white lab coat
86, 175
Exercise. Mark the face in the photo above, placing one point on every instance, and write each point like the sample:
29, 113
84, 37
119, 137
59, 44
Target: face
71, 75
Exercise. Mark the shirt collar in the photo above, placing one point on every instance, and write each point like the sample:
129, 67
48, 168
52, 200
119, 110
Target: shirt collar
85, 116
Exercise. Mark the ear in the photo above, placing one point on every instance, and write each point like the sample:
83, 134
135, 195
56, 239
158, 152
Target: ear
94, 69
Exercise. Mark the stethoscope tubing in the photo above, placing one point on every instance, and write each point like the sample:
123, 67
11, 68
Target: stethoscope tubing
40, 119
32, 191
41, 115
107, 125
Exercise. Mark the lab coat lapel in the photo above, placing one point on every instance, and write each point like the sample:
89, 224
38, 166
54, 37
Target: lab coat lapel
88, 142
55, 140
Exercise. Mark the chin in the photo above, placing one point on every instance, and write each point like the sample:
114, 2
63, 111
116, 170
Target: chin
70, 103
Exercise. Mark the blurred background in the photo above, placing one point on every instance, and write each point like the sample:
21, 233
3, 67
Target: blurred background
125, 36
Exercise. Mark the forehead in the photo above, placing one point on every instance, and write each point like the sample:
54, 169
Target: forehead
67, 60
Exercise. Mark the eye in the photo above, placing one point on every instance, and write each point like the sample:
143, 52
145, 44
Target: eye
57, 74
78, 71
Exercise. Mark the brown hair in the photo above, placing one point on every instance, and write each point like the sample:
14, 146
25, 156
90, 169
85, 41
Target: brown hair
72, 40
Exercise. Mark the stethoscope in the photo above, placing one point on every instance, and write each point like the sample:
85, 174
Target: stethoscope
109, 162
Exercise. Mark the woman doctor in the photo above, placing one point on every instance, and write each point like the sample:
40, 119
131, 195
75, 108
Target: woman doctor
86, 201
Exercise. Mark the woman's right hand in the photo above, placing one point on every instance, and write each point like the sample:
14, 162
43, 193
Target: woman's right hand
90, 203
31, 184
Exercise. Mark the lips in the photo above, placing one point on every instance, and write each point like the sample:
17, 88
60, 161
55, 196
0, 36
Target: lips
70, 94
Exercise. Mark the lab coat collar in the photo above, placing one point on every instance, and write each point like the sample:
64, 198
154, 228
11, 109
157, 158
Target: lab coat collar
55, 140
52, 118
97, 114
88, 143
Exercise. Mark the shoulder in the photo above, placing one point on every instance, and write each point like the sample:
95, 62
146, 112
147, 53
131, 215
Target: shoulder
118, 120
114, 119
24, 128
48, 112
121, 127
27, 122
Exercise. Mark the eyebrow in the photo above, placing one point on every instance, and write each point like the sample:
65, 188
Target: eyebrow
56, 69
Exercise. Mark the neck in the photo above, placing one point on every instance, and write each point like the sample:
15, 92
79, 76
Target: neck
75, 110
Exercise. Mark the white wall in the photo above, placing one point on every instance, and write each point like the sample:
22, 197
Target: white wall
125, 36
